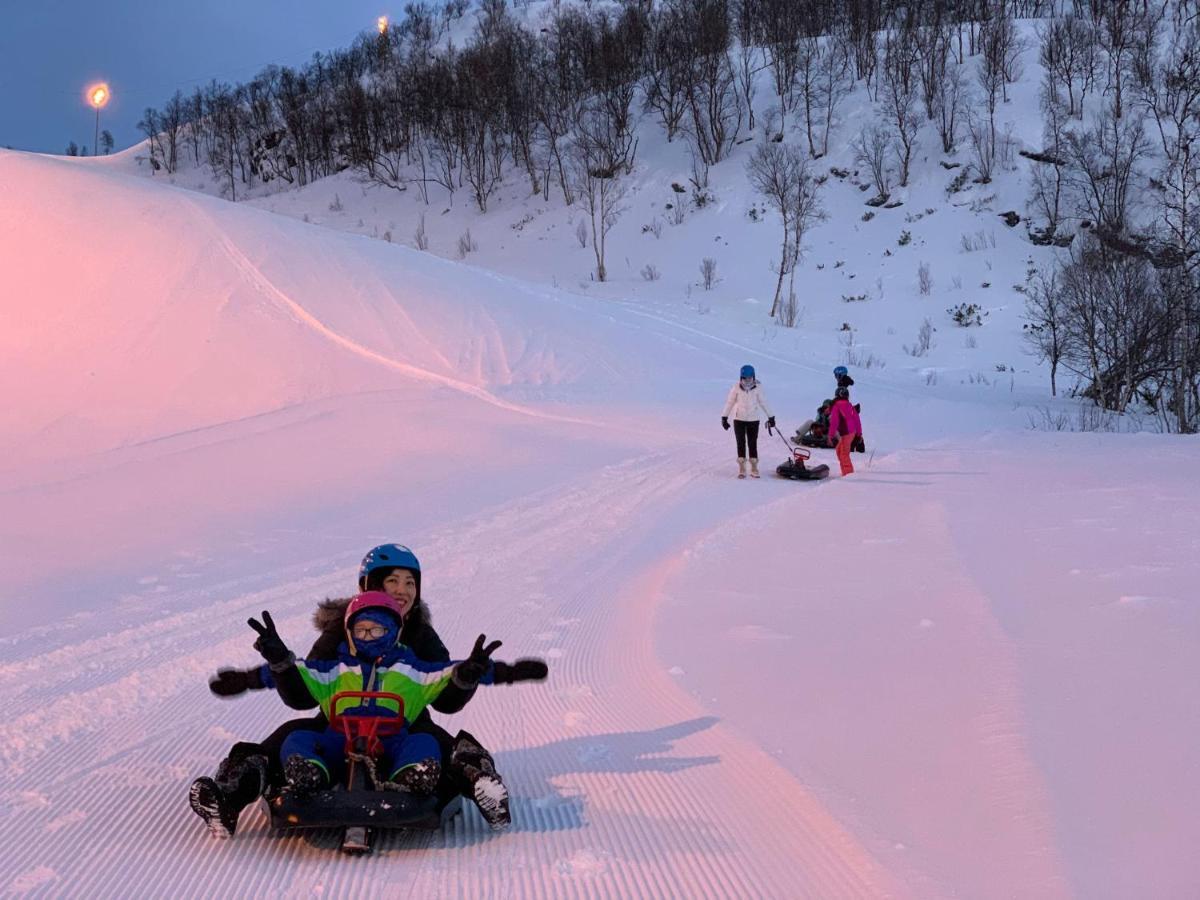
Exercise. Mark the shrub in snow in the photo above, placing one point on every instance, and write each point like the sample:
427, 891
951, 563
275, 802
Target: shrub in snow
676, 214
924, 340
654, 228
967, 314
650, 272
708, 272
905, 238
868, 215
336, 205
924, 279
980, 240
959, 181
790, 313
581, 233
854, 298
466, 244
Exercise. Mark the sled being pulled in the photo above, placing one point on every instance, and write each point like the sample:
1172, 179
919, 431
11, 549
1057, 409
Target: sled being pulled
797, 468
360, 805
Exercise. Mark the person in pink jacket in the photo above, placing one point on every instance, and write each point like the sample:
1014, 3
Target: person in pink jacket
844, 428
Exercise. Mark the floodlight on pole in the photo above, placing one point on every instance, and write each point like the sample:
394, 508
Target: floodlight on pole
98, 96
382, 24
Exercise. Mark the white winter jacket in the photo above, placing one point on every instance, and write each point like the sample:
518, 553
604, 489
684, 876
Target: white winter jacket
744, 405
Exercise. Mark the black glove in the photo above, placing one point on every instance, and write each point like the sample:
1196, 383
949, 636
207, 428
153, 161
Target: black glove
521, 670
770, 423
468, 672
725, 422
269, 643
231, 682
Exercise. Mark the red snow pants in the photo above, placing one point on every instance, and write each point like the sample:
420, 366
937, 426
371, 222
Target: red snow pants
845, 442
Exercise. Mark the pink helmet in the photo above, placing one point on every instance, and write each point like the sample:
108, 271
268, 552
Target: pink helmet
372, 600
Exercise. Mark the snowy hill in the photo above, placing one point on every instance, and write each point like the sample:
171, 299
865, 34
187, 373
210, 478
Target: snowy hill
966, 670
858, 286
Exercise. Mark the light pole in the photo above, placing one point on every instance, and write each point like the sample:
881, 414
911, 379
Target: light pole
382, 24
98, 95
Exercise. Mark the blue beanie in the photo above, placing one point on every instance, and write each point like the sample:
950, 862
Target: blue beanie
747, 371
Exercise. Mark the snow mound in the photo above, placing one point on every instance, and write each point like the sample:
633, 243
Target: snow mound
134, 311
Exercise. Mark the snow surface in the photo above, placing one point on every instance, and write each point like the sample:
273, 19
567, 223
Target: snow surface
966, 671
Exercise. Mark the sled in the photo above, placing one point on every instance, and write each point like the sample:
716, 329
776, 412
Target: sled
359, 806
797, 468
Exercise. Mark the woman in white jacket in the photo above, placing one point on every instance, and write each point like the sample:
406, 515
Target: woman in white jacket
745, 400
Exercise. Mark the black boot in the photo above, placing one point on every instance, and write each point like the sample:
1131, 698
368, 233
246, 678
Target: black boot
304, 777
219, 801
485, 786
417, 778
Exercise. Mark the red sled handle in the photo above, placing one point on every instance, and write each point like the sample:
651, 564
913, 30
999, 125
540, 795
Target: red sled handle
370, 727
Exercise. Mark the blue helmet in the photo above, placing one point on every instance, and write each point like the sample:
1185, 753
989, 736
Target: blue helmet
389, 556
840, 371
747, 371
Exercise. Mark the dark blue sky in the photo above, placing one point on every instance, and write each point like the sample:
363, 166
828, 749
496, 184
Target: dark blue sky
145, 49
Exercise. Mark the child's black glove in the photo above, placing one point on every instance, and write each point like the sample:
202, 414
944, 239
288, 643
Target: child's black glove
468, 672
270, 644
770, 423
231, 682
725, 422
529, 669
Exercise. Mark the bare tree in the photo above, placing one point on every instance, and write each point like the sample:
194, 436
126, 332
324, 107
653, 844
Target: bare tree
948, 104
871, 151
1048, 176
781, 36
1120, 30
713, 101
1101, 166
598, 187
1171, 92
779, 172
1068, 55
667, 65
1045, 329
900, 94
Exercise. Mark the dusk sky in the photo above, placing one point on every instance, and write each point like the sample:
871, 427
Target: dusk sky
50, 50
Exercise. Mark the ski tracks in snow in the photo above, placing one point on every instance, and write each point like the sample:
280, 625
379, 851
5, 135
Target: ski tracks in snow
622, 784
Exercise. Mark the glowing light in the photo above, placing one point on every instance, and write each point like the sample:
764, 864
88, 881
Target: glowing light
382, 24
98, 95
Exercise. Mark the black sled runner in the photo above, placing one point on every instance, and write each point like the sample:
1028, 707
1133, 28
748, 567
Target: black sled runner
360, 806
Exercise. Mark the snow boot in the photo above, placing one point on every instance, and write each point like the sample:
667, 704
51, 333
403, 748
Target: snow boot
741, 467
487, 789
304, 776
753, 467
219, 801
417, 778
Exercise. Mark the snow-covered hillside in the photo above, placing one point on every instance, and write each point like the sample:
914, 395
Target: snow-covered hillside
858, 286
966, 670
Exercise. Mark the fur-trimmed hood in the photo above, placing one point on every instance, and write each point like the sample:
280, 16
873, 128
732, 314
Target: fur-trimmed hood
331, 612
417, 633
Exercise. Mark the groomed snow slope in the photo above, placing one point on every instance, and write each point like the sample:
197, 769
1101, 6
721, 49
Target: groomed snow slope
966, 671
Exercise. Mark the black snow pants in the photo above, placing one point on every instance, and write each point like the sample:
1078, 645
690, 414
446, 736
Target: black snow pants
746, 432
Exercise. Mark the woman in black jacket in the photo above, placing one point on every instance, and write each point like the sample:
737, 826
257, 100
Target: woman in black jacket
252, 770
